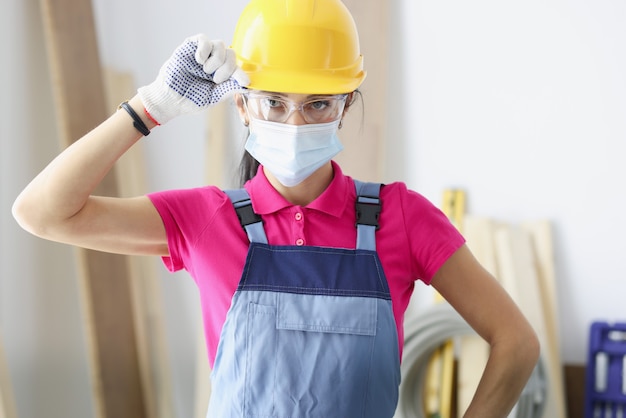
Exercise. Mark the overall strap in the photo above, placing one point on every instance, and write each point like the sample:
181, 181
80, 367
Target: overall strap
367, 213
368, 208
250, 221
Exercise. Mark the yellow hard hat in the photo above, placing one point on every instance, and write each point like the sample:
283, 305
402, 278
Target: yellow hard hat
299, 46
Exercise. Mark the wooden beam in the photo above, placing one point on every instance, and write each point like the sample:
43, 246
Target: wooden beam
519, 277
453, 205
203, 376
543, 249
146, 294
473, 350
105, 283
364, 128
7, 403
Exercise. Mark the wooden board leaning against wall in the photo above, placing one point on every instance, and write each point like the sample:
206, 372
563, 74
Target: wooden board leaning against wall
118, 370
7, 402
362, 135
79, 98
366, 124
521, 258
146, 294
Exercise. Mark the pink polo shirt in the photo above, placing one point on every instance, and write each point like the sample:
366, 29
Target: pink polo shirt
206, 239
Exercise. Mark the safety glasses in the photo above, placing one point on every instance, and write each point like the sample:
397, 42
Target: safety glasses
276, 108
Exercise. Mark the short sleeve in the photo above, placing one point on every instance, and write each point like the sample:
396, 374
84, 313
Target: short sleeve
430, 236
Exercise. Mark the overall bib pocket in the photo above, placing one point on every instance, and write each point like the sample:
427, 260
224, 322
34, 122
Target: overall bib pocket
309, 356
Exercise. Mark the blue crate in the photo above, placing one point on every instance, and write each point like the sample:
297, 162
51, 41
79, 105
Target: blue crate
605, 381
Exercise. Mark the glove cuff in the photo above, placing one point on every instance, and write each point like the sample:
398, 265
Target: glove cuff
164, 104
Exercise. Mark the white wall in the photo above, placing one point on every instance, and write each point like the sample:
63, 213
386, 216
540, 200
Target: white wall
521, 104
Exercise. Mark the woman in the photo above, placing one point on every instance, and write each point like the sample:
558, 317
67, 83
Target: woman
304, 276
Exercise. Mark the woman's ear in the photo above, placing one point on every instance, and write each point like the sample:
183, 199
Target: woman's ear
350, 100
241, 108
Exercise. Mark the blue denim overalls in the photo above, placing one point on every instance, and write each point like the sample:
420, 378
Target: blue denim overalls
310, 331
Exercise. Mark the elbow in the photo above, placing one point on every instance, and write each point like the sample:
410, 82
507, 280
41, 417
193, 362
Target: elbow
522, 348
20, 211
534, 349
527, 356
527, 350
26, 216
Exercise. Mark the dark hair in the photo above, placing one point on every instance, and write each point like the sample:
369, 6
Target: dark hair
248, 166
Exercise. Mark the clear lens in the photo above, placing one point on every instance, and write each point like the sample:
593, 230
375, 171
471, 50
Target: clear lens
274, 108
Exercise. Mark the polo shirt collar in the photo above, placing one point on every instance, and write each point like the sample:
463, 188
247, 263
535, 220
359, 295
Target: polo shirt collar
333, 201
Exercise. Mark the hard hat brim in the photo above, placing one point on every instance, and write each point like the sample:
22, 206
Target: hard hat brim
337, 81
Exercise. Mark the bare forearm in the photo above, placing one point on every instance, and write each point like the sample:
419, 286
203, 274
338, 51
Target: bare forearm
504, 378
61, 190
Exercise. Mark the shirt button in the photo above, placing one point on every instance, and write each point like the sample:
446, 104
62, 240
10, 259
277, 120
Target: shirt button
299, 241
298, 216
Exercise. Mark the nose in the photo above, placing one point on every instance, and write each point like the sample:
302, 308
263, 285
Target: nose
296, 118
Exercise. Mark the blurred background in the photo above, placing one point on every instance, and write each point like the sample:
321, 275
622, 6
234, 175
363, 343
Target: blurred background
520, 104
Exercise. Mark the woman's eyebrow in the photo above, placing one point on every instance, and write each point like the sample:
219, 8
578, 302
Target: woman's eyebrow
285, 95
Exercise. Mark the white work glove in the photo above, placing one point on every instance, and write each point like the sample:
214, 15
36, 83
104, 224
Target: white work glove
197, 75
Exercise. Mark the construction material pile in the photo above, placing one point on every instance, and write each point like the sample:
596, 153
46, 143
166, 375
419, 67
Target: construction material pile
444, 359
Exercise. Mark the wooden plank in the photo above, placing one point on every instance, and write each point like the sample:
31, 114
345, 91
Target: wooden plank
364, 129
7, 402
454, 207
543, 249
440, 382
448, 389
478, 232
203, 377
105, 285
473, 350
519, 277
218, 136
473, 356
432, 386
145, 286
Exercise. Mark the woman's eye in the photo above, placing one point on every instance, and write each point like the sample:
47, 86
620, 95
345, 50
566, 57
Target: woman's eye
318, 105
273, 103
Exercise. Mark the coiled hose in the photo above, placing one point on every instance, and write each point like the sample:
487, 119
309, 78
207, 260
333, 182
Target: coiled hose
423, 336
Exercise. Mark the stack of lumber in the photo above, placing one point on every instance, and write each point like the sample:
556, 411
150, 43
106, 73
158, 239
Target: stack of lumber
119, 294
521, 257
105, 282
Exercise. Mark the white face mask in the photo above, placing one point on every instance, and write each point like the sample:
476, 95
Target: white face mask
292, 152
